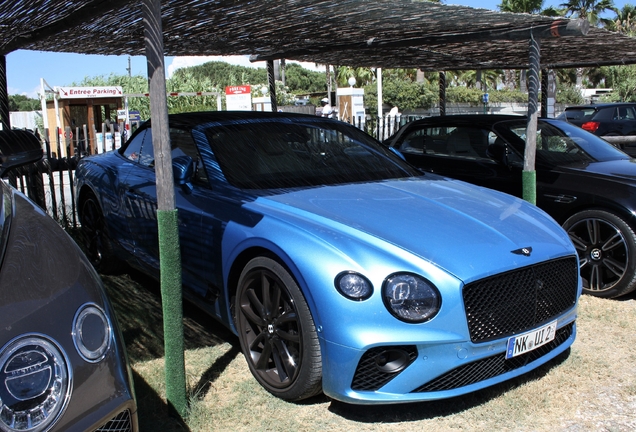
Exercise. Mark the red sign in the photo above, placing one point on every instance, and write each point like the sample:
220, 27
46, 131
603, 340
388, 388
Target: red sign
236, 90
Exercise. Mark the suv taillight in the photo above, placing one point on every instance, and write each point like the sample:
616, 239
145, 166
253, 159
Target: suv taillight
591, 126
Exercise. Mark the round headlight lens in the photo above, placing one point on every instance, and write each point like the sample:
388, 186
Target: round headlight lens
411, 298
91, 333
35, 384
354, 286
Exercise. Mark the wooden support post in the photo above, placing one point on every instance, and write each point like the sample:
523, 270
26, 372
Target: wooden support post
167, 222
272, 85
529, 173
442, 93
5, 119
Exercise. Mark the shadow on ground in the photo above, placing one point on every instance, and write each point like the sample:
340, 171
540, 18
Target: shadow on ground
137, 303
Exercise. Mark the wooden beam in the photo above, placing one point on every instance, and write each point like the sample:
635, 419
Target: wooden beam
555, 29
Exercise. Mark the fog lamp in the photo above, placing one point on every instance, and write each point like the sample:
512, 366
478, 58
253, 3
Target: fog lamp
91, 332
354, 286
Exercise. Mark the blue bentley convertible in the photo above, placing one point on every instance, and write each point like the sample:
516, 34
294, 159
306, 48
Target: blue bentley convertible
340, 267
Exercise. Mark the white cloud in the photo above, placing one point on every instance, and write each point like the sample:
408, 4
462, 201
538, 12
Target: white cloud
34, 93
189, 61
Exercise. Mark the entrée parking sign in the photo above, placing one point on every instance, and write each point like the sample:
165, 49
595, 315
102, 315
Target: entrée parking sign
89, 92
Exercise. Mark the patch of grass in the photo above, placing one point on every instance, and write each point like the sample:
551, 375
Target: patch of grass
592, 387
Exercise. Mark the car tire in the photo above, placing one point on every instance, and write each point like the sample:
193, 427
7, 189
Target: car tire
95, 241
606, 246
277, 332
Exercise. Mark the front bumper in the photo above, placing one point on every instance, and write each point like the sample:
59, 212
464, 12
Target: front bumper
430, 371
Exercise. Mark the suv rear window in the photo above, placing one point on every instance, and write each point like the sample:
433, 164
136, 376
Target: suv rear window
580, 113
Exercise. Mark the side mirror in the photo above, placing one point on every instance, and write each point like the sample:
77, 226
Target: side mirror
498, 151
182, 171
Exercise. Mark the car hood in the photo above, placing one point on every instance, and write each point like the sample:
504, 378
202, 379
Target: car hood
467, 230
619, 169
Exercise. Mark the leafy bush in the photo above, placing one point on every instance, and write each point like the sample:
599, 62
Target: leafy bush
569, 95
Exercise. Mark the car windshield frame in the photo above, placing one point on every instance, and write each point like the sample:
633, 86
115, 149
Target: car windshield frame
559, 143
298, 152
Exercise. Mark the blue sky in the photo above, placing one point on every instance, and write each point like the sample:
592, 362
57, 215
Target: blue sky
26, 68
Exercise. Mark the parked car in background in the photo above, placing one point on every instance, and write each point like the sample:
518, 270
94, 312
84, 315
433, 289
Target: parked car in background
63, 366
339, 266
605, 120
584, 183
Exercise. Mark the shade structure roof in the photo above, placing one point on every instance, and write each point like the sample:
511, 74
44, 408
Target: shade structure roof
359, 33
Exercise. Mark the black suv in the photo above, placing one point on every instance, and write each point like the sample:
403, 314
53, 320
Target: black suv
605, 120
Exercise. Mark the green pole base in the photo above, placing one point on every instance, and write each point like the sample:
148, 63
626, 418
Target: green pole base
172, 303
529, 179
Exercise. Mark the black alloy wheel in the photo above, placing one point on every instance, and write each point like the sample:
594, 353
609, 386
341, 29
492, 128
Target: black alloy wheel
277, 333
96, 243
606, 246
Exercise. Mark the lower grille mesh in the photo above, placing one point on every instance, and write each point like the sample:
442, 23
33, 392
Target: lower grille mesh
368, 377
120, 423
491, 366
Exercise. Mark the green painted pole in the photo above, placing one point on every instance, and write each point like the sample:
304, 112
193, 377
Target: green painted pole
167, 221
529, 177
172, 304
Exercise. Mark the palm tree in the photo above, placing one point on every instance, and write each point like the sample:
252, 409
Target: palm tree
521, 6
363, 76
489, 77
625, 20
590, 10
518, 6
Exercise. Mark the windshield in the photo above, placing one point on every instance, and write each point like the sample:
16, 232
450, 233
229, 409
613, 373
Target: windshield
288, 153
560, 143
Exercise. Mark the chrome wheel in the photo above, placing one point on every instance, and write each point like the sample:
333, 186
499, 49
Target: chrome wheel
605, 245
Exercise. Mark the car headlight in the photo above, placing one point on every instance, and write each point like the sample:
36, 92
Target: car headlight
354, 286
35, 384
411, 298
91, 332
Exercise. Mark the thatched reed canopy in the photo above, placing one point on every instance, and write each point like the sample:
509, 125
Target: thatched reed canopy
373, 33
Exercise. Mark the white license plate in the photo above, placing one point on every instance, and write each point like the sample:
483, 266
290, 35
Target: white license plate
526, 342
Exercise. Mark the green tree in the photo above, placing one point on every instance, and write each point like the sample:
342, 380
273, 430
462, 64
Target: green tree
625, 20
363, 76
622, 79
590, 10
23, 103
490, 77
521, 6
403, 93
303, 81
518, 6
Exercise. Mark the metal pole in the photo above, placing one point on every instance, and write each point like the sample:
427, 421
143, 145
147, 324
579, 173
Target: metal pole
167, 222
529, 173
